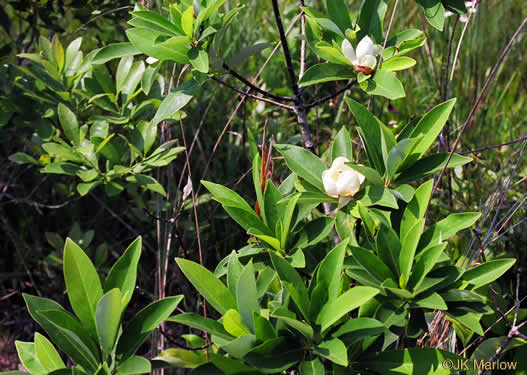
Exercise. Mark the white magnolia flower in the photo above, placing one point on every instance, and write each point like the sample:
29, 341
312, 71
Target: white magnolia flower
364, 58
341, 181
151, 60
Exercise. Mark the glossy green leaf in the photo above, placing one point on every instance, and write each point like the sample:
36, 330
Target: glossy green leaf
384, 83
82, 283
23, 158
358, 329
327, 72
424, 263
314, 367
174, 49
199, 59
198, 322
334, 350
338, 12
398, 63
398, 155
187, 21
114, 51
134, 365
433, 301
303, 163
108, 319
246, 295
71, 53
289, 318
427, 166
27, 355
330, 269
143, 323
69, 124
147, 182
371, 263
175, 101
350, 300
211, 288
434, 12
409, 244
413, 361
295, 284
46, 354
341, 146
177, 357
429, 128
158, 20
371, 17
234, 325
487, 272
417, 207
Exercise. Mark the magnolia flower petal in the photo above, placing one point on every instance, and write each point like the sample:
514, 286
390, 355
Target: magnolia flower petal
330, 183
368, 60
340, 163
348, 183
349, 52
365, 47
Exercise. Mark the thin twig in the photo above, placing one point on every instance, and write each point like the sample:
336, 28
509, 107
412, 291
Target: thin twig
254, 87
485, 148
480, 98
245, 93
329, 97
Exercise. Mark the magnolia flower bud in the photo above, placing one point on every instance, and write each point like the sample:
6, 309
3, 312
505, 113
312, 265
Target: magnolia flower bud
341, 181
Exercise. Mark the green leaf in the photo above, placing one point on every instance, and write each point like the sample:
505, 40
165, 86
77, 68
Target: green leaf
358, 329
85, 187
174, 49
449, 226
246, 295
314, 367
334, 350
434, 12
108, 319
371, 19
82, 283
205, 324
199, 59
326, 72
158, 20
175, 101
27, 355
330, 269
68, 334
123, 69
240, 346
212, 289
398, 63
487, 272
371, 130
303, 163
143, 323
234, 325
341, 146
468, 319
350, 300
123, 273
371, 263
289, 318
65, 153
424, 263
408, 247
432, 301
147, 182
248, 52
187, 21
429, 128
429, 165
294, 283
384, 83
422, 361
338, 12
114, 51
71, 53
182, 358
23, 158
417, 207
69, 124
398, 155
134, 365
46, 354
